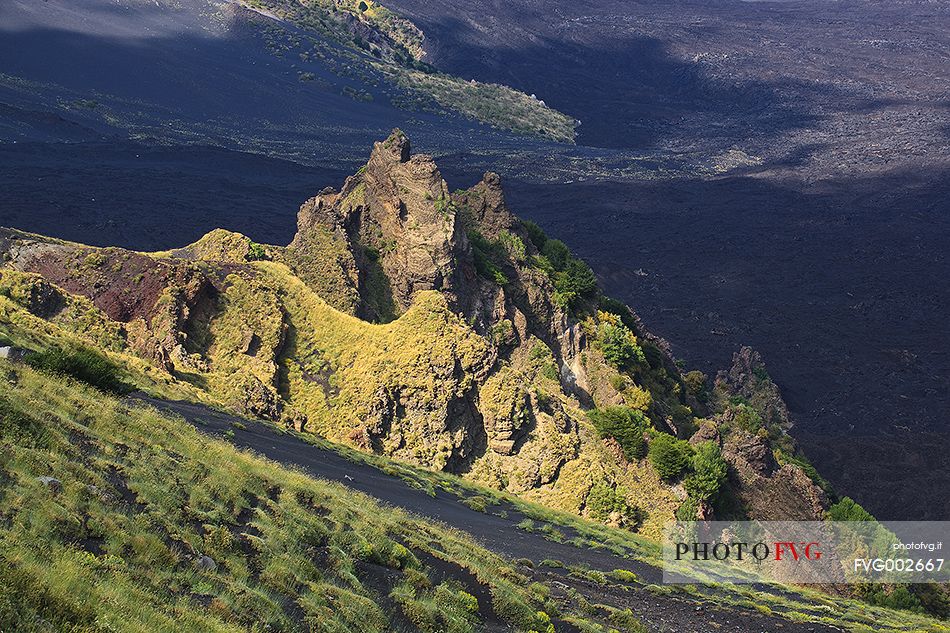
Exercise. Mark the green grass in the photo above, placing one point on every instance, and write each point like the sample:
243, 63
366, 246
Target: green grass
623, 575
592, 533
84, 364
798, 604
275, 343
78, 325
116, 545
339, 371
144, 495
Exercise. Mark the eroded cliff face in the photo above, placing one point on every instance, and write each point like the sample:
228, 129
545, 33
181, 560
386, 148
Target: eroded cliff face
407, 216
398, 227
394, 229
770, 491
425, 325
154, 300
767, 489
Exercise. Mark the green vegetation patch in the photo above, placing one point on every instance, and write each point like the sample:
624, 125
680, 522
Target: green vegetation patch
669, 456
120, 517
609, 504
574, 281
495, 104
847, 509
625, 425
708, 472
379, 39
489, 258
617, 341
83, 364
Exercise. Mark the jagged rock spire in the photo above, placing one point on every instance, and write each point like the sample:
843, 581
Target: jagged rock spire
397, 220
396, 147
486, 201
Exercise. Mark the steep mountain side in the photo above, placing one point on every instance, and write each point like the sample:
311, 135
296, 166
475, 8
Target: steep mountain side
432, 327
365, 25
381, 40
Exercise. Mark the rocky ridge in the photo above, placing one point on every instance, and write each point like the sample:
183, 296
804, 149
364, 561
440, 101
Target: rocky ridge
427, 325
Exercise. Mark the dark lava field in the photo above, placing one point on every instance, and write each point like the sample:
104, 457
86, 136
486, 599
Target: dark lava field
774, 174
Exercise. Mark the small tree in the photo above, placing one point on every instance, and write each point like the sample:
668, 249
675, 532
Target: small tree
556, 253
897, 598
620, 346
609, 503
575, 281
669, 456
709, 472
746, 418
535, 233
849, 510
624, 425
513, 245
256, 252
695, 382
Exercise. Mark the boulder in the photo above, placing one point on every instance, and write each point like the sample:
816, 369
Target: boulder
294, 419
205, 563
259, 400
54, 485
749, 453
708, 432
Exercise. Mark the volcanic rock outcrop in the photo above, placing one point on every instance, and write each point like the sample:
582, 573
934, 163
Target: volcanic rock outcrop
422, 324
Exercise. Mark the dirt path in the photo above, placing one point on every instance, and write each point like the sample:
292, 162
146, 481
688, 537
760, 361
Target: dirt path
667, 613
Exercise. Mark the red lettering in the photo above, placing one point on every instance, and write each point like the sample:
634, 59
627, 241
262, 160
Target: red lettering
779, 550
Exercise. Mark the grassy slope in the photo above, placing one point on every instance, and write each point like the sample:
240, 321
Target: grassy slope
398, 349
82, 437
333, 366
495, 104
83, 323
798, 604
143, 495
366, 357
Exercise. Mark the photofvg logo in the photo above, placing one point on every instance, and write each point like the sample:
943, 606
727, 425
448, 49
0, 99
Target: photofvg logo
760, 551
805, 552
